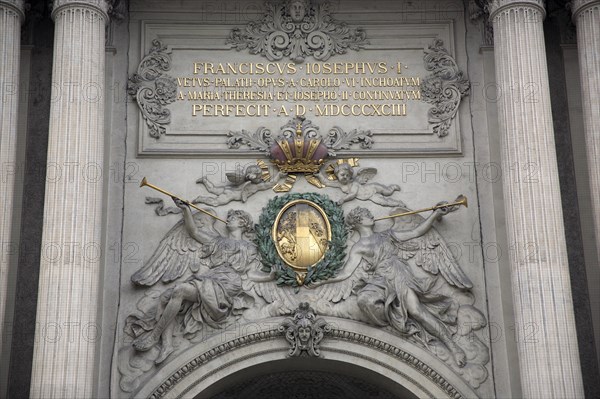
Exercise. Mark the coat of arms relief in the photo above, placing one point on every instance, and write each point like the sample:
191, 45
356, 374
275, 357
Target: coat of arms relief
308, 256
322, 248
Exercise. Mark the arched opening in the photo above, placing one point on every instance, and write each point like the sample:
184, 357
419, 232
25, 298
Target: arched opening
306, 378
352, 353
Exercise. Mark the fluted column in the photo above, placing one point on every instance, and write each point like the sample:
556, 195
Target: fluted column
545, 322
11, 16
67, 332
586, 15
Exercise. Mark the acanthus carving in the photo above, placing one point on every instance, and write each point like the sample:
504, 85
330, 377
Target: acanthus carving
444, 88
338, 139
297, 29
260, 140
304, 332
153, 89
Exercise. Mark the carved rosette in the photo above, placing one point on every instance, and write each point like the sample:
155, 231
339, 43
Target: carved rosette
153, 89
278, 35
304, 332
444, 88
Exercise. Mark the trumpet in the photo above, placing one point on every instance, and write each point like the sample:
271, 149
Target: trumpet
460, 200
160, 190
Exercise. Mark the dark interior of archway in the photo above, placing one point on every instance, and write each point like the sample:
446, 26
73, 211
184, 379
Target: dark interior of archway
305, 384
306, 377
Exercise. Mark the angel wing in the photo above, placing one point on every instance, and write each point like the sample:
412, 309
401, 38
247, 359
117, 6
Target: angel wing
176, 253
340, 291
271, 293
363, 175
430, 252
247, 190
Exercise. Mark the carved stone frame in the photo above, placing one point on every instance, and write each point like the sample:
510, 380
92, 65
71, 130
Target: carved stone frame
348, 342
213, 140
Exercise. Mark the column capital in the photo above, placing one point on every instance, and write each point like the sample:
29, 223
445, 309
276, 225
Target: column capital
100, 6
578, 6
496, 6
18, 6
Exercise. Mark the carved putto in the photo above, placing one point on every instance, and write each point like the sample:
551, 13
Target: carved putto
307, 254
304, 331
297, 29
242, 184
299, 148
354, 183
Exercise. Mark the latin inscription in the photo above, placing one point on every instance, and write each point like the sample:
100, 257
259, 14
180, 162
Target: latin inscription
323, 89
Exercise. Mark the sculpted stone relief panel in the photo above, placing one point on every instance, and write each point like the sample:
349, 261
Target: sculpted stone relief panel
402, 82
201, 278
292, 236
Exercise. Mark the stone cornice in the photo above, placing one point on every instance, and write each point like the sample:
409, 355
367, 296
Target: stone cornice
18, 6
578, 6
496, 6
99, 6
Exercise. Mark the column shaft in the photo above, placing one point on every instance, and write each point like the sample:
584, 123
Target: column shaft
545, 323
67, 332
586, 15
11, 16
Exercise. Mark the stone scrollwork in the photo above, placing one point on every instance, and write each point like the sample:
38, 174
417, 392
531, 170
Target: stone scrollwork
297, 29
444, 88
338, 139
153, 89
304, 331
260, 140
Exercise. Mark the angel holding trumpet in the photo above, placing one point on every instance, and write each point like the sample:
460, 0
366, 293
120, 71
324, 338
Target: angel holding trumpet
220, 265
391, 292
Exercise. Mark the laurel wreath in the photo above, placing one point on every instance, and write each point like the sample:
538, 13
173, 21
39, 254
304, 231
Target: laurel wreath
336, 250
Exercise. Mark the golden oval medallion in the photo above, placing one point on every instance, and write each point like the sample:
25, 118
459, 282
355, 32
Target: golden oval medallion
301, 234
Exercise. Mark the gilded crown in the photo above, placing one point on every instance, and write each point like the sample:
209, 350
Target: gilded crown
299, 153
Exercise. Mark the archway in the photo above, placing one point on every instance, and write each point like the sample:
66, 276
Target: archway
352, 349
306, 378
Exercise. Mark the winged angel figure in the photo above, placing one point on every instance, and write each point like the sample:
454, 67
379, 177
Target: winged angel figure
355, 185
220, 267
406, 277
242, 184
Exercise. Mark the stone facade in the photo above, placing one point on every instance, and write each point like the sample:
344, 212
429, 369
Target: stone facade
294, 126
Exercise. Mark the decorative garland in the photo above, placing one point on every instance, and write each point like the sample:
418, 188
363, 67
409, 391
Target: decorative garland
336, 250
